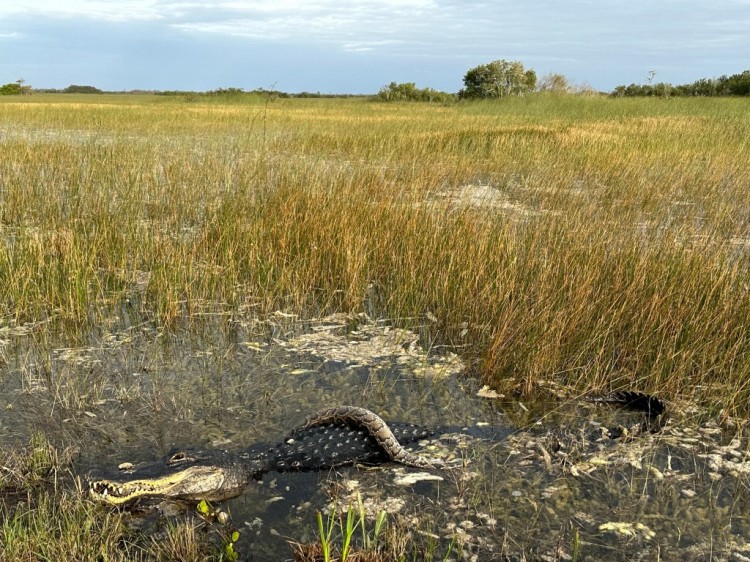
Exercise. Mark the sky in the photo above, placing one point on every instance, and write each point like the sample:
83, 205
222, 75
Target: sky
358, 46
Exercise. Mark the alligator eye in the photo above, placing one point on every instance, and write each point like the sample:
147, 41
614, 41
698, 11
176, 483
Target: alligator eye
177, 457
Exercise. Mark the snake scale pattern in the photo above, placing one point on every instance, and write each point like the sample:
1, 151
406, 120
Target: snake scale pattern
376, 427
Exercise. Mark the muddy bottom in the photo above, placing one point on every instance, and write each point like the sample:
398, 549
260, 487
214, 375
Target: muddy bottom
539, 480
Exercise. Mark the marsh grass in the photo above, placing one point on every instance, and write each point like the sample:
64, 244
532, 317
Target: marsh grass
34, 466
616, 258
44, 515
39, 518
59, 527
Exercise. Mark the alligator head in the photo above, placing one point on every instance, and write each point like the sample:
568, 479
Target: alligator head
183, 475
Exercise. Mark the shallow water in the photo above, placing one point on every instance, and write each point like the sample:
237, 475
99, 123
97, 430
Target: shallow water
535, 473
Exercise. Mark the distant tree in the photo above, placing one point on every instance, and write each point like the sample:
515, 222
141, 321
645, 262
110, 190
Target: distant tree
227, 92
10, 89
398, 92
75, 89
704, 87
17, 88
664, 90
554, 83
408, 91
735, 85
498, 79
585, 89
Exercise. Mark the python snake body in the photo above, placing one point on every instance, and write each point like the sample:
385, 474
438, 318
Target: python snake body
375, 426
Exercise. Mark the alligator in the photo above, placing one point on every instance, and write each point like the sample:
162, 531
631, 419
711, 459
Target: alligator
334, 437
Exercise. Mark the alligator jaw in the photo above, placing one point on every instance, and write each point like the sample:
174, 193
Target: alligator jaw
192, 483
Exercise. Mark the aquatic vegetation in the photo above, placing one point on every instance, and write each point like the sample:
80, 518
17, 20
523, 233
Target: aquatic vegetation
343, 535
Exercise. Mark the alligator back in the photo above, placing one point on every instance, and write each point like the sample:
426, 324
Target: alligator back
333, 444
374, 427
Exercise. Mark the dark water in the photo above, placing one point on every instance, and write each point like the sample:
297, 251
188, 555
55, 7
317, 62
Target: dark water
537, 474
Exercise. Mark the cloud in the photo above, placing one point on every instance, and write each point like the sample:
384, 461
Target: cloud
424, 27
271, 11
370, 41
355, 25
105, 10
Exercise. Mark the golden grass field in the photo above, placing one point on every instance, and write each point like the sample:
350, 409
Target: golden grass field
598, 242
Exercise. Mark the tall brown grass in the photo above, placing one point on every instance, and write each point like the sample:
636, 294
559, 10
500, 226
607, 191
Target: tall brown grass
603, 243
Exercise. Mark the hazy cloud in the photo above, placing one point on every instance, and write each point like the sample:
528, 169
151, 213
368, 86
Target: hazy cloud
361, 44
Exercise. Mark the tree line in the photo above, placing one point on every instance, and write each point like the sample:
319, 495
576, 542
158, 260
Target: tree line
497, 79
734, 85
503, 78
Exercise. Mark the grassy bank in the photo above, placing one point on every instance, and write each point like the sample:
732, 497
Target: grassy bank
599, 242
44, 515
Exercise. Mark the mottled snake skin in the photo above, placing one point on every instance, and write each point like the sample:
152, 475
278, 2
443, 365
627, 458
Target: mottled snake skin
376, 427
